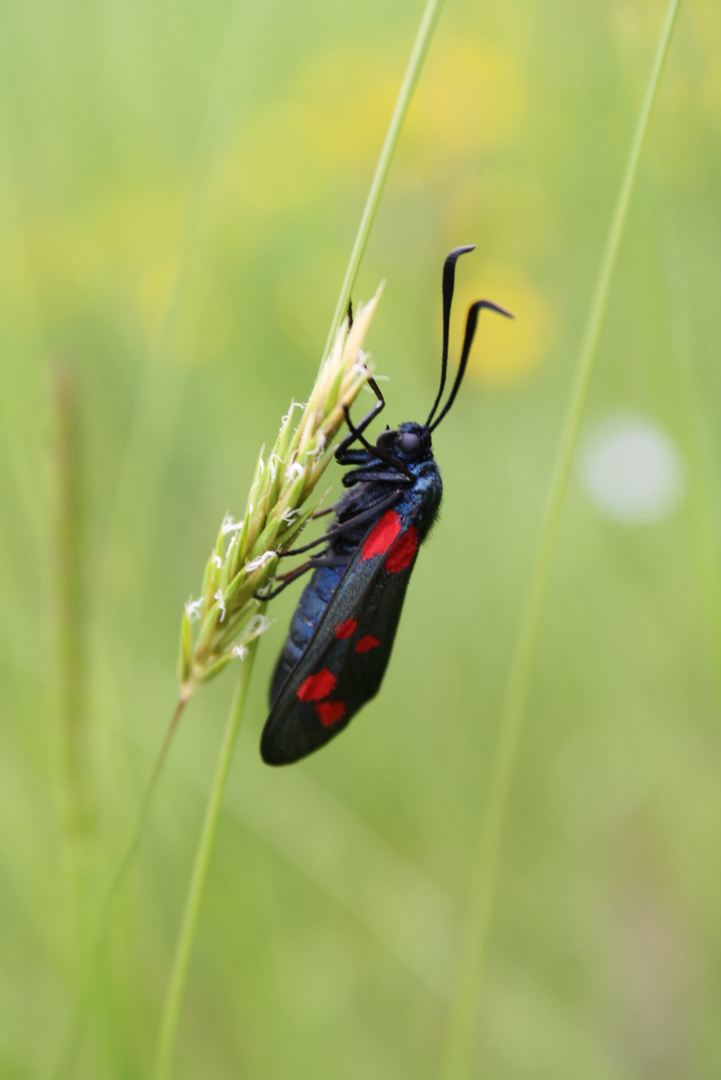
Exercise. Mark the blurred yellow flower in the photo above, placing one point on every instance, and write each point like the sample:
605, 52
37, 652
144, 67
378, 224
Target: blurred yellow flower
330, 122
471, 99
504, 352
118, 248
54, 250
154, 288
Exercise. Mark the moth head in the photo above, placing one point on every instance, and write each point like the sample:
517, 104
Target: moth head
410, 442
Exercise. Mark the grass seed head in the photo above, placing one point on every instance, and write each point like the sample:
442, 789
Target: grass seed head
218, 626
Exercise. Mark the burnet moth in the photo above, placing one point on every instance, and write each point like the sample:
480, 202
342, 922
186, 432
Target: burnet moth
342, 632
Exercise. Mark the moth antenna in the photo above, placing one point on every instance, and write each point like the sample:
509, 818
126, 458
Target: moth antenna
471, 323
449, 280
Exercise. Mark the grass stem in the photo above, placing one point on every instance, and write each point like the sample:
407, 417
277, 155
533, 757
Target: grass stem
458, 1057
70, 667
72, 1038
693, 409
199, 878
72, 713
427, 25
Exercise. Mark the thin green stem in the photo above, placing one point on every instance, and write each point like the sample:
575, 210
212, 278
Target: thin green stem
72, 1037
68, 563
152, 430
426, 27
693, 413
199, 878
458, 1058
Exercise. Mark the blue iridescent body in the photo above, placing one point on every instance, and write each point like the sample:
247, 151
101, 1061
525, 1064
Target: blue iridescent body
418, 502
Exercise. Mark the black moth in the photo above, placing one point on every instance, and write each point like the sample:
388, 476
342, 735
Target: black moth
342, 632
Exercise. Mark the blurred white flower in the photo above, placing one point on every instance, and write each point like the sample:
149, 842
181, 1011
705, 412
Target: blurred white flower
631, 470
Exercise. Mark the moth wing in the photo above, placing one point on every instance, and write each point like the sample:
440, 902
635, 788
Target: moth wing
345, 660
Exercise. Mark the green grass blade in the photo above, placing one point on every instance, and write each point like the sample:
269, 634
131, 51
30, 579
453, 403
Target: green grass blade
695, 417
152, 430
459, 1048
71, 1044
68, 565
426, 27
199, 879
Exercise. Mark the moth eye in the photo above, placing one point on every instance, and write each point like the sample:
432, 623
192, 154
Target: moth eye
409, 443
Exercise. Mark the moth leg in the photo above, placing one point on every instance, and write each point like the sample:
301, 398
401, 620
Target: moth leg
329, 560
287, 579
355, 432
362, 475
354, 457
378, 452
345, 526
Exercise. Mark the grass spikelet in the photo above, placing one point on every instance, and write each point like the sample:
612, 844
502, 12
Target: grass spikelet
245, 555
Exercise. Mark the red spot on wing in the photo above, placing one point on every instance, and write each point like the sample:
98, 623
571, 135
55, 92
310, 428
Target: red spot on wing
366, 643
317, 686
345, 629
382, 535
330, 712
402, 552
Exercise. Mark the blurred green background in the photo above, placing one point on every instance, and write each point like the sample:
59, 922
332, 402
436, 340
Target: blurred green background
179, 189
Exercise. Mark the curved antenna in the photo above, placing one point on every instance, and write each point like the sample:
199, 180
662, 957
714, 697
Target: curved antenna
471, 323
449, 278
